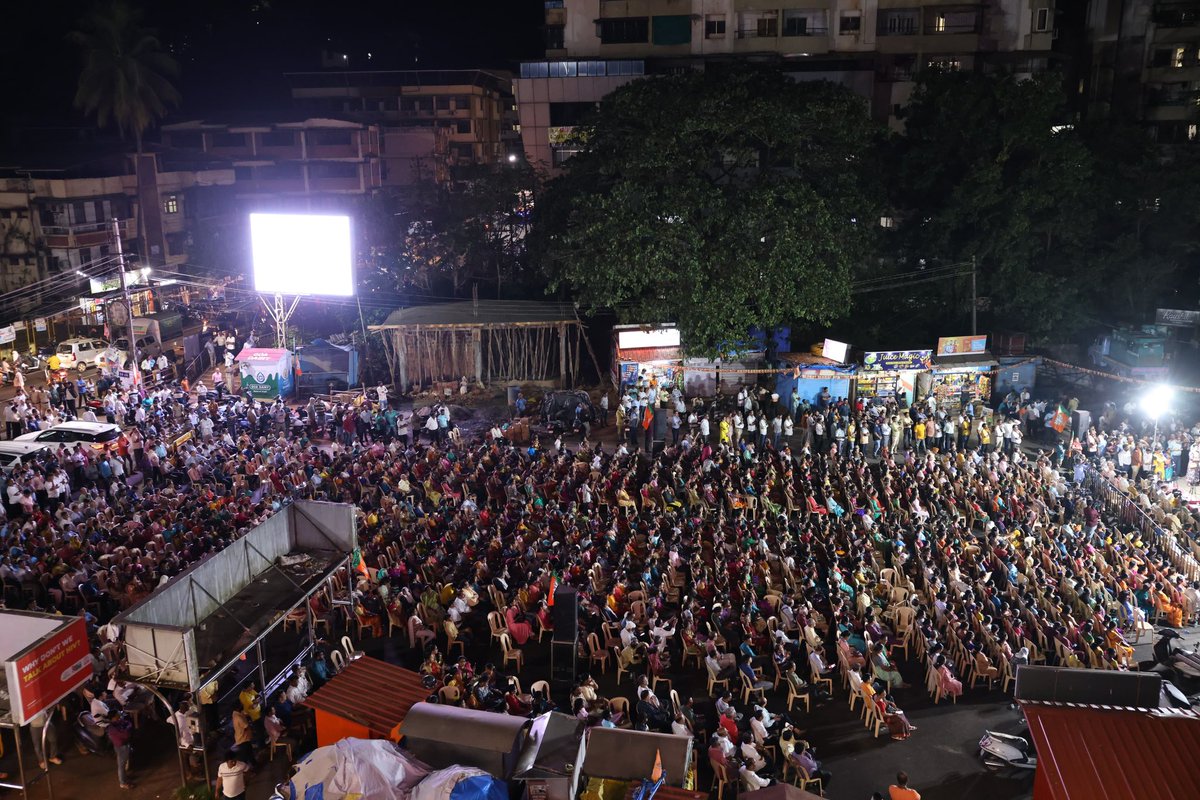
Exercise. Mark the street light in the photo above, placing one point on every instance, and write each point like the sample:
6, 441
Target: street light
1156, 402
512, 158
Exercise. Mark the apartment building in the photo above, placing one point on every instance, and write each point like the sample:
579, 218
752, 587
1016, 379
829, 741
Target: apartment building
56, 220
873, 47
472, 108
1143, 63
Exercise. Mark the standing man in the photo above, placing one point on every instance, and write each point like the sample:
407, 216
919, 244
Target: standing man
604, 409
44, 723
119, 732
382, 394
231, 779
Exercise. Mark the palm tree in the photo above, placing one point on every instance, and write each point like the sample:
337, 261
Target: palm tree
126, 75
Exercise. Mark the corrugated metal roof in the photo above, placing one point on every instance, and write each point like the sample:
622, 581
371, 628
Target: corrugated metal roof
370, 692
1093, 753
486, 312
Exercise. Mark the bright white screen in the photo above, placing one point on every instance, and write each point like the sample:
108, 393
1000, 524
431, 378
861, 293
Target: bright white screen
302, 254
836, 351
661, 337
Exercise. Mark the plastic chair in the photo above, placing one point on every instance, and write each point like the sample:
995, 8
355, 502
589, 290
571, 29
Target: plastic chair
511, 653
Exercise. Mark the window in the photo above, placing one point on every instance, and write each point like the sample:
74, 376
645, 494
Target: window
462, 126
899, 22
229, 140
563, 69
188, 140
1041, 20
278, 139
1191, 132
671, 29
1177, 57
171, 204
945, 65
714, 26
554, 37
803, 22
332, 169
887, 222
849, 24
560, 156
624, 30
333, 138
954, 21
441, 102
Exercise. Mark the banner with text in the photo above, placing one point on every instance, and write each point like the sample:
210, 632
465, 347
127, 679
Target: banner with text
961, 345
49, 671
898, 360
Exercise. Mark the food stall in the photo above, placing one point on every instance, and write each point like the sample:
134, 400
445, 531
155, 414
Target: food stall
809, 373
962, 371
266, 372
892, 373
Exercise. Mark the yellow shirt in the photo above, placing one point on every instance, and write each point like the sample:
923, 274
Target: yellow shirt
919, 430
250, 705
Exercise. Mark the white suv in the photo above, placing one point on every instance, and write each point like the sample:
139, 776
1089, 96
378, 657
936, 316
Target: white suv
100, 436
80, 353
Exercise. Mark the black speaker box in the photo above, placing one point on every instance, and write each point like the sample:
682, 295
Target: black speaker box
565, 614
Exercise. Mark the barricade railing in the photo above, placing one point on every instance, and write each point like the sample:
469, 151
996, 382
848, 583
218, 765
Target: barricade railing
1119, 503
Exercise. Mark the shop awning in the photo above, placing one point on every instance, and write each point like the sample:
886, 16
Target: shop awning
1098, 753
964, 361
372, 693
645, 355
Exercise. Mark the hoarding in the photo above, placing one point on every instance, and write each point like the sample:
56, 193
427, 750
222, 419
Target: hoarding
897, 360
307, 254
639, 339
835, 350
48, 671
961, 345
266, 372
1177, 317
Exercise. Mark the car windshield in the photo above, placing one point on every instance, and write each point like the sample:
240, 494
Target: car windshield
105, 436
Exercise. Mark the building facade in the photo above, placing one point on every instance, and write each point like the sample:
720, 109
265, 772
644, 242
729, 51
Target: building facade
57, 223
874, 47
472, 109
1142, 62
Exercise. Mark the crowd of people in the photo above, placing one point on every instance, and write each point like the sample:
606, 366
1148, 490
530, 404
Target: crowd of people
771, 546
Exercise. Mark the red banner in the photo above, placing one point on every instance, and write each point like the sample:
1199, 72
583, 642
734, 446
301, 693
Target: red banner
49, 671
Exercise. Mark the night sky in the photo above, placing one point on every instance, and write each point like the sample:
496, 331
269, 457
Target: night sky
232, 53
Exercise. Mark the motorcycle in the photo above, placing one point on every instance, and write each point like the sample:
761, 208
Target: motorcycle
1183, 664
91, 737
1003, 750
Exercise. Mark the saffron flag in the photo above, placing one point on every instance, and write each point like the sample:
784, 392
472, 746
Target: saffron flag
647, 418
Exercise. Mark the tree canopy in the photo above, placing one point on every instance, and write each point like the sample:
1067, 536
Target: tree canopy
720, 200
126, 75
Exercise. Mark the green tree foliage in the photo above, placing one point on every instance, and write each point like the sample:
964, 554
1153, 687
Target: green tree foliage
719, 200
986, 169
126, 76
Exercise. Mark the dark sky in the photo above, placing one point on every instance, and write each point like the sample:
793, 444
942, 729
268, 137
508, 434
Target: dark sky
232, 53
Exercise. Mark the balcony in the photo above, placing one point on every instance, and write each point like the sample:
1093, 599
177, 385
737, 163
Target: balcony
87, 234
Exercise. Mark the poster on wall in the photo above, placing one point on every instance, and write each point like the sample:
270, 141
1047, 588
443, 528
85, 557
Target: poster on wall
961, 345
49, 671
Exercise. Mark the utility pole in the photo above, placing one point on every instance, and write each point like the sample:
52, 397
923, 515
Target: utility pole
134, 369
974, 299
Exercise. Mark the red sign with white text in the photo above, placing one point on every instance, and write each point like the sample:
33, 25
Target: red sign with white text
49, 671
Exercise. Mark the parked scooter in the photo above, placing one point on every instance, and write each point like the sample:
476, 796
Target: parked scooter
1003, 750
91, 737
1184, 663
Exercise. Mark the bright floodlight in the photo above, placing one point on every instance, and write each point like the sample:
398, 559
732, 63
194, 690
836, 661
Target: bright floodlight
1157, 401
302, 254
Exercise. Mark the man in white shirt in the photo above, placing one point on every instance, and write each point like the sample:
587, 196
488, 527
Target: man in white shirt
231, 778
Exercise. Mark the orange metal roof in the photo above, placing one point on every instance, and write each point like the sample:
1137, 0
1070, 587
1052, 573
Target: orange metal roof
370, 692
1096, 753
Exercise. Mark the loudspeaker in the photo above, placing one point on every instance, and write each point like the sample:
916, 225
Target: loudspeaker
562, 661
1088, 686
566, 614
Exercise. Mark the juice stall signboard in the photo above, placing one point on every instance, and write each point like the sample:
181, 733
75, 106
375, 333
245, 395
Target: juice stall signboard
48, 671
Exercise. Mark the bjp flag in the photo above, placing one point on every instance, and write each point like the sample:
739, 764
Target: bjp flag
647, 418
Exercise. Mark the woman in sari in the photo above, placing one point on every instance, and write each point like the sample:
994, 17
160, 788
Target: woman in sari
897, 723
949, 685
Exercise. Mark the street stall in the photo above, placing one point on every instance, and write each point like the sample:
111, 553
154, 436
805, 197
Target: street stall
892, 373
810, 374
962, 372
223, 619
611, 759
366, 700
648, 352
266, 372
45, 658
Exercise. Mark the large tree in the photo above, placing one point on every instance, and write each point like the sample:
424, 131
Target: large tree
987, 169
126, 75
720, 200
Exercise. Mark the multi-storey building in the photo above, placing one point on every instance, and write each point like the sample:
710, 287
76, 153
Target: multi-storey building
57, 221
472, 108
1142, 62
872, 46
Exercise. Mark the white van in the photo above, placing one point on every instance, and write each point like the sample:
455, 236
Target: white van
14, 454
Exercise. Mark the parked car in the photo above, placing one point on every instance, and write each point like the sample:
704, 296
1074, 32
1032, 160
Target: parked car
558, 409
79, 354
146, 346
100, 436
14, 454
